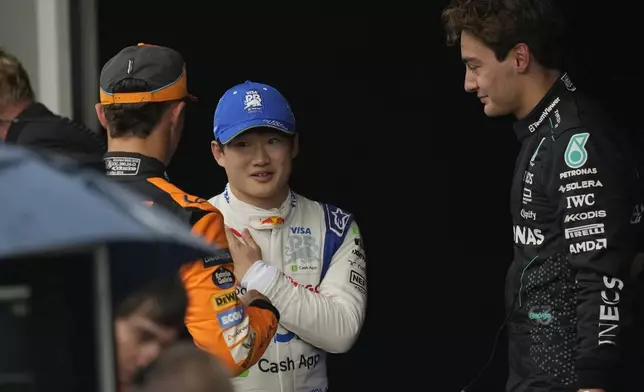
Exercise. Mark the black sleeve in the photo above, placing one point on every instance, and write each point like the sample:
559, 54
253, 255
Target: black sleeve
588, 183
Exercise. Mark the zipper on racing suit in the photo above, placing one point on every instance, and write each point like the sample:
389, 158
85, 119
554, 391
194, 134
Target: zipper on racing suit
521, 280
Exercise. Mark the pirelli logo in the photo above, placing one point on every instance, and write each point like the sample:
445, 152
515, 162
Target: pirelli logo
223, 300
583, 231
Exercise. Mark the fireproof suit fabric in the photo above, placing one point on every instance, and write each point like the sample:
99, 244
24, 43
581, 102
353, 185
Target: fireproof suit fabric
216, 317
573, 204
314, 272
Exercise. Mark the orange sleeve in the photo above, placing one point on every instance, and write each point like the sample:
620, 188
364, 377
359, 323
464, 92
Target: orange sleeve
216, 318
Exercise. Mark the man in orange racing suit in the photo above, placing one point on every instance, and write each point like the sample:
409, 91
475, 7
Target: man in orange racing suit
143, 93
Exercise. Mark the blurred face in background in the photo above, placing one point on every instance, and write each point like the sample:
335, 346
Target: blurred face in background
139, 341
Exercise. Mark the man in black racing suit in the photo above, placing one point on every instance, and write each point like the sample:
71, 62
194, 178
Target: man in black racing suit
573, 204
574, 200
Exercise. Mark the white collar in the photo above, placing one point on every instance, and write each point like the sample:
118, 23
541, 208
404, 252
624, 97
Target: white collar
259, 218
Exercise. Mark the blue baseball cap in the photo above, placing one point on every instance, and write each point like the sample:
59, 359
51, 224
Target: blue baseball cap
251, 105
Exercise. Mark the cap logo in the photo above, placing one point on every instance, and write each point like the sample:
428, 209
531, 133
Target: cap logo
253, 101
130, 65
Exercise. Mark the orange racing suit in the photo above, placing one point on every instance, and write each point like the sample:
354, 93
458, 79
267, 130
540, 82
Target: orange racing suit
216, 318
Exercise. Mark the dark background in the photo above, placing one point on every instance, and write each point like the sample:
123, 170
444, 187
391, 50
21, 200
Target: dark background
388, 133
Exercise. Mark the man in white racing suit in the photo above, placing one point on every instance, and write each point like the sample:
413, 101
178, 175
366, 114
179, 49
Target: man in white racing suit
310, 259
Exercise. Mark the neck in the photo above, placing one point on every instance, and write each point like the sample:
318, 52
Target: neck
13, 110
536, 87
265, 203
150, 146
8, 113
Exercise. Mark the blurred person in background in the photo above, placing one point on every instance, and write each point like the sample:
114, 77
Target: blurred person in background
143, 93
184, 368
146, 321
305, 256
27, 122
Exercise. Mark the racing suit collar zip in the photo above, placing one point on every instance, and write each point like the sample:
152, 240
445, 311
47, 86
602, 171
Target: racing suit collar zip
129, 164
258, 218
539, 117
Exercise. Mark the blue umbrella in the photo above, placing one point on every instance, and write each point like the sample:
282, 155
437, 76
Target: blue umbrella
49, 205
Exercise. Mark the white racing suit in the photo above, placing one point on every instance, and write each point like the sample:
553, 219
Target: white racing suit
314, 272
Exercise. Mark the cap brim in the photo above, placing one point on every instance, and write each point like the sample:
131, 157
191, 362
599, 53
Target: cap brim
234, 131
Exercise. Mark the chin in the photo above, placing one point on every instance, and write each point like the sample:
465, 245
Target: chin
492, 110
262, 190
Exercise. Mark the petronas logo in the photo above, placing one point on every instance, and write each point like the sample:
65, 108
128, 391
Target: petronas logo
576, 154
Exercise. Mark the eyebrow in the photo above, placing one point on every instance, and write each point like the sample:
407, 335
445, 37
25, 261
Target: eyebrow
467, 59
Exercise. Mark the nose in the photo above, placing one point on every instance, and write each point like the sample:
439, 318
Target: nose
261, 157
148, 354
470, 81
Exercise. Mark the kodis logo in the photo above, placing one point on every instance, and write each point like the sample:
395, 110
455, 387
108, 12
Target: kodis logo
231, 317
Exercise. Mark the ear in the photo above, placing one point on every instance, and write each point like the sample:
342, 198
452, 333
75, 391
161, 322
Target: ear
521, 57
296, 146
176, 113
218, 153
100, 113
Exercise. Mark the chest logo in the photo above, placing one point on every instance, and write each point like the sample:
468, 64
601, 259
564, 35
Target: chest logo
302, 251
576, 154
300, 230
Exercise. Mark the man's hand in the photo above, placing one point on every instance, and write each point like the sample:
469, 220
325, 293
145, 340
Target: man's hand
244, 253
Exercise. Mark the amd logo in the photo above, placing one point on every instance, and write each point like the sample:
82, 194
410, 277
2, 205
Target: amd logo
588, 246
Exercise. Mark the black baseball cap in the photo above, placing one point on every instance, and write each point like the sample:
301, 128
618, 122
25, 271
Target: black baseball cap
162, 69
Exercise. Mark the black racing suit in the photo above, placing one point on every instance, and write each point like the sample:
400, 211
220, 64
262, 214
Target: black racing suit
573, 197
39, 129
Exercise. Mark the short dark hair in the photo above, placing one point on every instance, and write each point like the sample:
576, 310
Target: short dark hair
165, 300
137, 119
14, 80
502, 24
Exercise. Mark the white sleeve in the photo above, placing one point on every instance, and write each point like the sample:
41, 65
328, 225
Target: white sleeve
330, 319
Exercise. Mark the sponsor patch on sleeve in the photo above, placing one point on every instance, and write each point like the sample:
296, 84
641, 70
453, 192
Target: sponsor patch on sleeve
359, 281
223, 278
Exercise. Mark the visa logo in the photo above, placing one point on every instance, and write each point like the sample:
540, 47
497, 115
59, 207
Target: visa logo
300, 230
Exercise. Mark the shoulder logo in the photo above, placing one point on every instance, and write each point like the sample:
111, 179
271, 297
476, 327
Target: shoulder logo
576, 154
568, 83
339, 221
